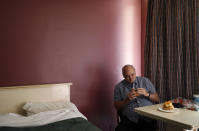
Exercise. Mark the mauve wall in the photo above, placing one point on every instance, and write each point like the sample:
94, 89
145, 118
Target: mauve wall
85, 42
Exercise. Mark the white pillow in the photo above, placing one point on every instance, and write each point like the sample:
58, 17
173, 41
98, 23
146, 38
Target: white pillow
32, 108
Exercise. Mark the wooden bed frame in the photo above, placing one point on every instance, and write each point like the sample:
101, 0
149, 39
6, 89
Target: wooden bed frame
13, 98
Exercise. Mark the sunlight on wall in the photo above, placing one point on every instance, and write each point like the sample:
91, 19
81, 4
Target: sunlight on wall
127, 39
130, 34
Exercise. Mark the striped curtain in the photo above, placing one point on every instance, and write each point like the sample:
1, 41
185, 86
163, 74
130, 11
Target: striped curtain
172, 47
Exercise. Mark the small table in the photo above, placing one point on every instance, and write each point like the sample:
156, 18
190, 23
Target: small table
181, 120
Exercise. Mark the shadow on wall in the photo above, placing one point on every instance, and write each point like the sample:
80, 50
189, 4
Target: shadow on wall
100, 109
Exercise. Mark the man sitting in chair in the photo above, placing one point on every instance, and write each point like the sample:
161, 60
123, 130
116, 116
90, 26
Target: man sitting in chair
130, 93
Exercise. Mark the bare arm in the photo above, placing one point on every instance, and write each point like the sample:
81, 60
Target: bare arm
120, 104
153, 96
133, 94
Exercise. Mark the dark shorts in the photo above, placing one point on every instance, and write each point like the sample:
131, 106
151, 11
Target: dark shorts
142, 125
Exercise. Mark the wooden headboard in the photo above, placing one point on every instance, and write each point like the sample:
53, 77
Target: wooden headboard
13, 98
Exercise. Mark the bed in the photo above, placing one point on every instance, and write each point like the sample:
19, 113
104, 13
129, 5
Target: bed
45, 107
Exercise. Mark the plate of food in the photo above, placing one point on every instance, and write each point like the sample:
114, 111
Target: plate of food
169, 111
167, 107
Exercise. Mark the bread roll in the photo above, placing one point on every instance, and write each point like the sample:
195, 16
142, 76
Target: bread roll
168, 105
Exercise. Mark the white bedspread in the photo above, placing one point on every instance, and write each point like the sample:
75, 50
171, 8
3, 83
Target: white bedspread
15, 120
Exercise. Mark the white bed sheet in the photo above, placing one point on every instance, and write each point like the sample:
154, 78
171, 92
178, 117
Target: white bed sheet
42, 118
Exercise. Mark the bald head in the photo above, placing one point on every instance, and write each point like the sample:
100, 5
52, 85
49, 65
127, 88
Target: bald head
129, 73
